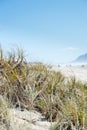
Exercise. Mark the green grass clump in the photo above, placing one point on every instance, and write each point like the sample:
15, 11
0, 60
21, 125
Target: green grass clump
14, 79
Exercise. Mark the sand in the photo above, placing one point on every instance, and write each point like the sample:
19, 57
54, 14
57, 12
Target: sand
27, 120
79, 71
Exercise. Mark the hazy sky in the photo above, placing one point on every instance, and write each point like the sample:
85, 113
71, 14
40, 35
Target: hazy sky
51, 31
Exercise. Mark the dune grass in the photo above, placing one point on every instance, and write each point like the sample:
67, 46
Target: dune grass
34, 86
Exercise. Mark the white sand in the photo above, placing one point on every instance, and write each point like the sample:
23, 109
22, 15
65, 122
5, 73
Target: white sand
27, 120
80, 72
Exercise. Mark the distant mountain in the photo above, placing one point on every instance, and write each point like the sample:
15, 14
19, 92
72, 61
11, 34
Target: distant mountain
81, 58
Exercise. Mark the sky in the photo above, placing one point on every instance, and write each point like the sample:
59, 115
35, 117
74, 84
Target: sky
49, 31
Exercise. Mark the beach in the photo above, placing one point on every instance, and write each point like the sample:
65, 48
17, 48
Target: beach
78, 71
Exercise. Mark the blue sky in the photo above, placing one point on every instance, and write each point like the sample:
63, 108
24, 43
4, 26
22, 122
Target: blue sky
50, 31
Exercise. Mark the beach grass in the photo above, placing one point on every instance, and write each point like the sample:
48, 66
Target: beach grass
33, 86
